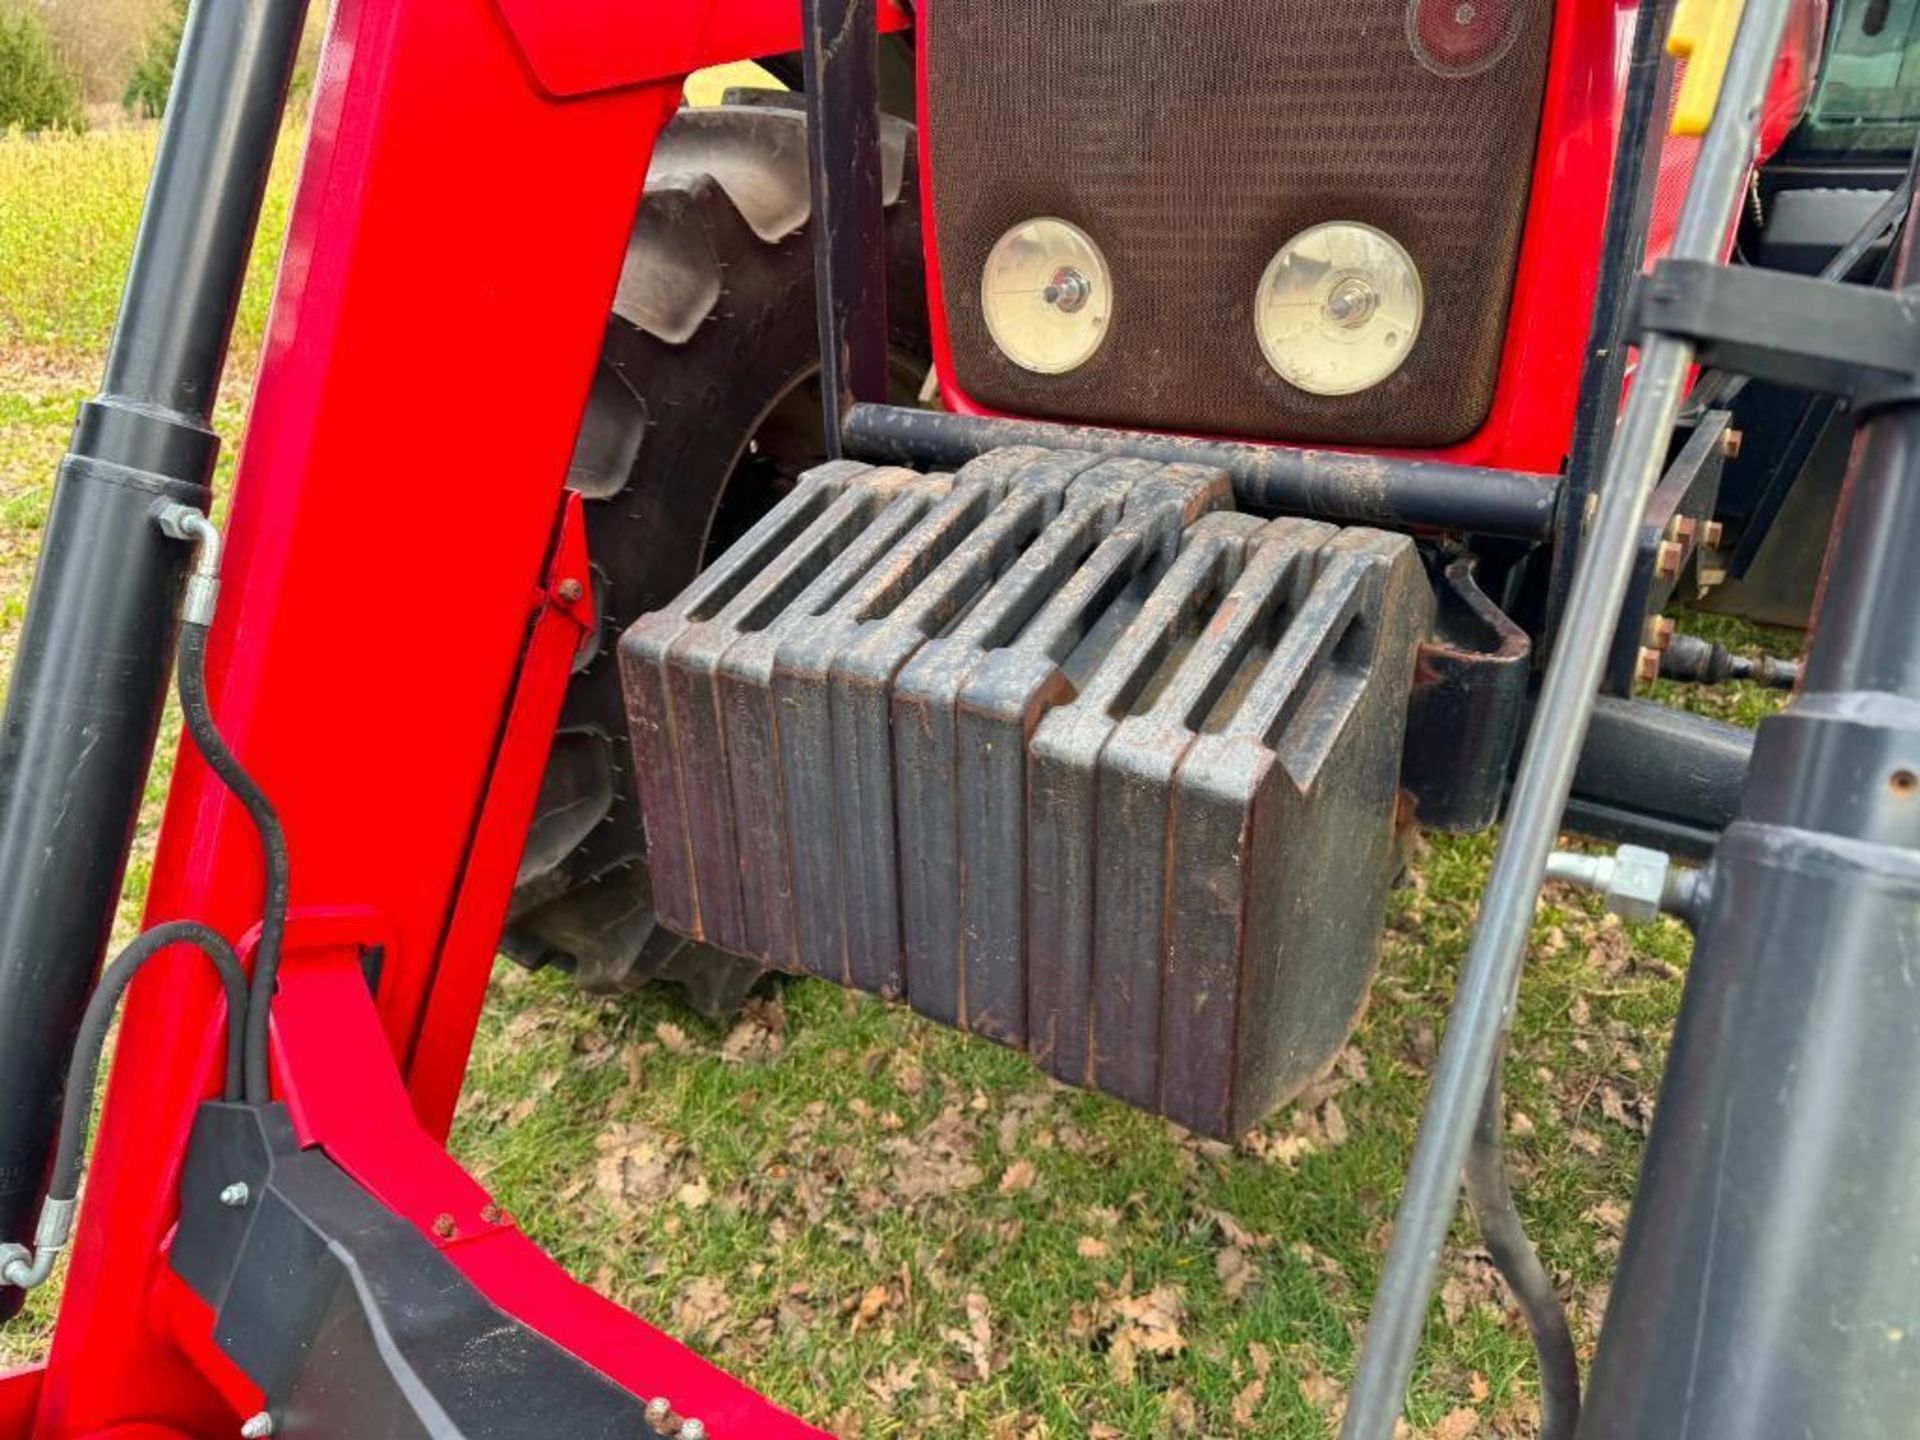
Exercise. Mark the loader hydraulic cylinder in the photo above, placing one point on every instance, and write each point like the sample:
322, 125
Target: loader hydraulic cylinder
90, 674
1770, 1280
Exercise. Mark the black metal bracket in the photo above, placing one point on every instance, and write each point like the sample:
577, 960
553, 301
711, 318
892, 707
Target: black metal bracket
841, 64
1676, 529
1855, 341
348, 1318
1469, 697
1631, 193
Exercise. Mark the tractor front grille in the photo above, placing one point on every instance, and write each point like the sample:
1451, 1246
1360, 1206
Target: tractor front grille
1057, 749
1191, 141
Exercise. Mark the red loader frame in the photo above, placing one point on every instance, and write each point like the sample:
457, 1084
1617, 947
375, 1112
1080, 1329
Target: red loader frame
470, 178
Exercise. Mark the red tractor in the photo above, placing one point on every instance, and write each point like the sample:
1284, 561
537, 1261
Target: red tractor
1060, 494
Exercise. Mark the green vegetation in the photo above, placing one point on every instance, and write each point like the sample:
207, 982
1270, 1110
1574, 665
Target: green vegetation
152, 78
898, 1231
37, 92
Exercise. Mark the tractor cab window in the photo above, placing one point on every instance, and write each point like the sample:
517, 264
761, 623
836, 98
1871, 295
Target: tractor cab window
1866, 99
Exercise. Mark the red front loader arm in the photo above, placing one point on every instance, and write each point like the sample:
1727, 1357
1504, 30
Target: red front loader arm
389, 660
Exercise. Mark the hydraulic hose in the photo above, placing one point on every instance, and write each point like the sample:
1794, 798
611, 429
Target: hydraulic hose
248, 1003
1491, 1196
98, 1019
273, 846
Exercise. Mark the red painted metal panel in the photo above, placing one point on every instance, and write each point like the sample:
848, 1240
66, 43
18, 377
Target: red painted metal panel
1531, 420
588, 46
438, 1063
19, 1396
454, 246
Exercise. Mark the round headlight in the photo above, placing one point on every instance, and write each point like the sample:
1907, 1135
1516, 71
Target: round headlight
1338, 309
1047, 295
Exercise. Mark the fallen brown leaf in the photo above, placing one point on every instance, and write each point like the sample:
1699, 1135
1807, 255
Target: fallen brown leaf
1248, 1401
871, 1304
1236, 1270
702, 1308
1019, 1177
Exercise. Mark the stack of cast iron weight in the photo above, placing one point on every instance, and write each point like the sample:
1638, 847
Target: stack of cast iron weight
1211, 822
965, 707
697, 681
1052, 752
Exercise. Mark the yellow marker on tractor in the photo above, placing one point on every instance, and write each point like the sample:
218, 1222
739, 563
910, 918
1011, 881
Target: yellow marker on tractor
1702, 35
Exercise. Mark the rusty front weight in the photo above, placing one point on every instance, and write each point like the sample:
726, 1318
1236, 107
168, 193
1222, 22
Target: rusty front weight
1058, 750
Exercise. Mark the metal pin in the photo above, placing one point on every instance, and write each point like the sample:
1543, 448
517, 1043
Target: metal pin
257, 1426
236, 1195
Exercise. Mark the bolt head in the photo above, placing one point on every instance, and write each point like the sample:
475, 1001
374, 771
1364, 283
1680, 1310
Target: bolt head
1648, 666
660, 1415
693, 1430
1712, 533
570, 591
1660, 632
236, 1195
1730, 443
256, 1427
1666, 559
490, 1214
444, 1227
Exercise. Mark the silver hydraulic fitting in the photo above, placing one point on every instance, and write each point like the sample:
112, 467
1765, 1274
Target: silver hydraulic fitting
184, 522
28, 1269
1634, 882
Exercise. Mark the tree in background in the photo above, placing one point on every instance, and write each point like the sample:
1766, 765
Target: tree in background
99, 40
152, 78
37, 92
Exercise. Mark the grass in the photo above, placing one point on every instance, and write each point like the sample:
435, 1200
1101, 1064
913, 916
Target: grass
900, 1232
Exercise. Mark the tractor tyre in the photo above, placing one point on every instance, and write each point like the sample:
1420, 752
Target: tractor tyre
704, 410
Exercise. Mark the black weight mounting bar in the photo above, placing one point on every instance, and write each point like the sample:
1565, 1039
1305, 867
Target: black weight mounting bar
1381, 490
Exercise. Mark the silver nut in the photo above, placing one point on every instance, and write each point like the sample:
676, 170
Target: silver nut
236, 1195
692, 1430
257, 1426
176, 521
16, 1265
660, 1415
1638, 883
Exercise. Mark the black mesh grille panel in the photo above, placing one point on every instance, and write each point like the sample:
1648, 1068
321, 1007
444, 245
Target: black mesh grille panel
1191, 139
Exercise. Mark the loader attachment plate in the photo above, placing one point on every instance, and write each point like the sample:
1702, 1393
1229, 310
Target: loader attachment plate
1058, 749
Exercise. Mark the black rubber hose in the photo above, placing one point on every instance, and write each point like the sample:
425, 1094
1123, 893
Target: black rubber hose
98, 1019
1491, 1196
273, 847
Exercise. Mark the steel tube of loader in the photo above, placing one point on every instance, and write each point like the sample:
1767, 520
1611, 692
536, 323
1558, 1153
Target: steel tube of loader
1770, 1279
90, 675
1490, 976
